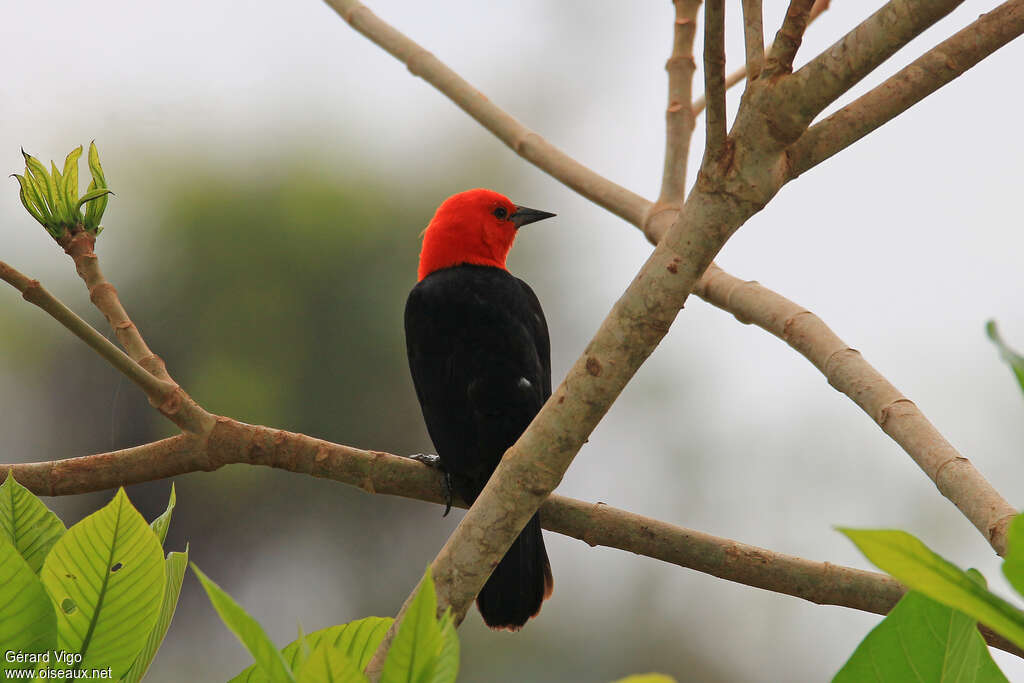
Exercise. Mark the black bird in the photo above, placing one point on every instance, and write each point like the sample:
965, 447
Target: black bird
480, 358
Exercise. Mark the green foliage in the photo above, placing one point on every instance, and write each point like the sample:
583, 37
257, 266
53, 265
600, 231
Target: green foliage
425, 649
1013, 359
28, 622
27, 523
920, 569
358, 640
51, 197
931, 632
104, 596
922, 639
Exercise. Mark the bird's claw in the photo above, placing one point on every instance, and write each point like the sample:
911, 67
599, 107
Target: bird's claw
434, 462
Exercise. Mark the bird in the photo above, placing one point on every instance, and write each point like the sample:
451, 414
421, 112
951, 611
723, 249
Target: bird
480, 359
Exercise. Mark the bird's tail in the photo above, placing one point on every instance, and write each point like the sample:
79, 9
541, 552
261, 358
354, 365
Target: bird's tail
519, 584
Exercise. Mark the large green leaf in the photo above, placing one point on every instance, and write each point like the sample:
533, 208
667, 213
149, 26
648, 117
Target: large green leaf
27, 522
922, 640
248, 630
28, 623
1013, 565
1012, 358
175, 565
106, 577
328, 664
163, 522
917, 567
357, 639
416, 652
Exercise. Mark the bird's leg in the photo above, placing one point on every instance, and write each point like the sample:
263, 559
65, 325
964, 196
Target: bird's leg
434, 462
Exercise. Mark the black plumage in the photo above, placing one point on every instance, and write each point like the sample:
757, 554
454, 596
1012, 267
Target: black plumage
480, 359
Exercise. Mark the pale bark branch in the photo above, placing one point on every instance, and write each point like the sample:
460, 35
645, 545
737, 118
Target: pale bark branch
158, 391
376, 472
80, 247
753, 40
787, 41
714, 80
771, 118
679, 119
826, 77
521, 140
847, 371
740, 74
922, 77
163, 394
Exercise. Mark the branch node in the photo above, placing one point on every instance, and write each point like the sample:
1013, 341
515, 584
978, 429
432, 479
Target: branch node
889, 410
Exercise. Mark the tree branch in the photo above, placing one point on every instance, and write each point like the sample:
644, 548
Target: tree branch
922, 77
103, 295
826, 77
714, 79
740, 74
162, 394
847, 371
787, 41
753, 39
679, 119
376, 472
520, 139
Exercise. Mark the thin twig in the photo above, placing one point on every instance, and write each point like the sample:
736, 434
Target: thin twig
714, 79
847, 371
679, 118
787, 41
740, 74
166, 396
103, 295
826, 77
926, 74
753, 39
524, 142
157, 390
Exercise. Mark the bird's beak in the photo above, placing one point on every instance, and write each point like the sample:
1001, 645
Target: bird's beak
523, 215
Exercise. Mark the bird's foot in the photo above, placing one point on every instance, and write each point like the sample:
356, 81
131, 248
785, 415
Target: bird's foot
434, 462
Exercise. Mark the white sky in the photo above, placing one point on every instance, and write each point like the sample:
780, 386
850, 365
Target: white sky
904, 244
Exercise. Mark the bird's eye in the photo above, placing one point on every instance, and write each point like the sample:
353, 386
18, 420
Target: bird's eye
501, 212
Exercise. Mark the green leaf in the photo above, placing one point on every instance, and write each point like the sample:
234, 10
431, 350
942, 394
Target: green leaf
94, 165
100, 205
922, 640
27, 198
106, 577
91, 195
917, 567
43, 180
414, 655
1015, 360
163, 522
70, 188
248, 630
447, 667
1013, 564
60, 200
175, 566
327, 664
357, 639
28, 622
647, 678
27, 523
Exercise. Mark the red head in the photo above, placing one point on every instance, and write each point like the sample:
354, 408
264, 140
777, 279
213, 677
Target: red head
475, 226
